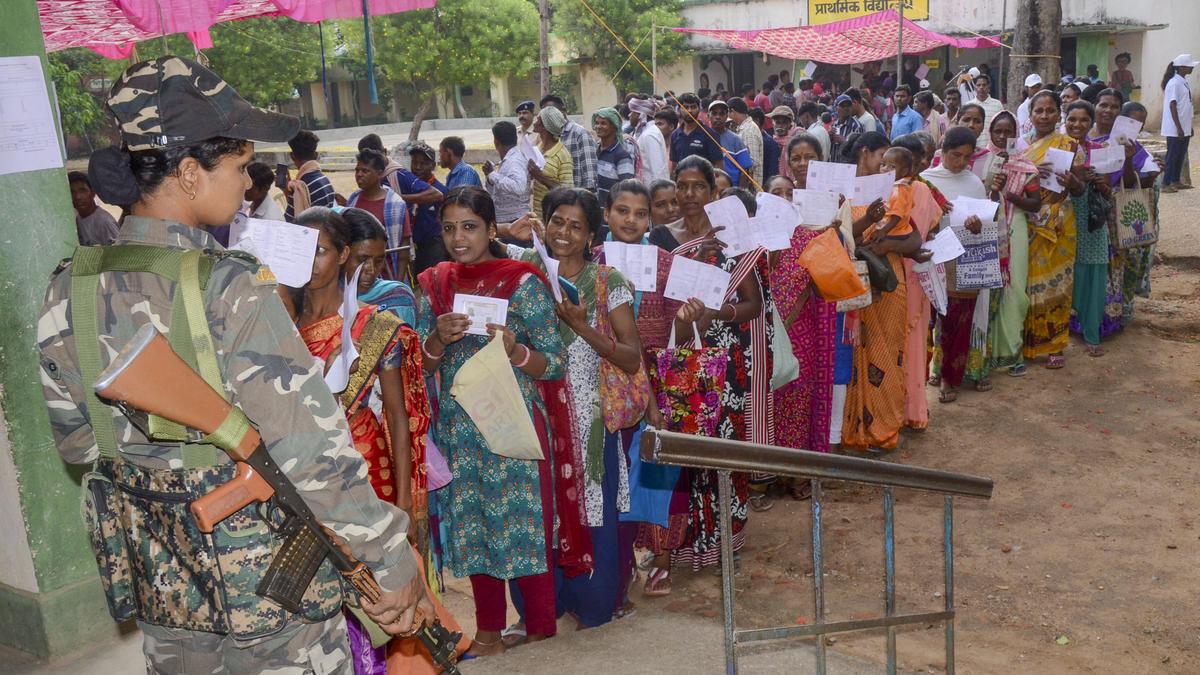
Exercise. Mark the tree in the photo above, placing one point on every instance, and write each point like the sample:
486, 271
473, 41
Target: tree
79, 110
630, 19
265, 59
458, 42
1039, 30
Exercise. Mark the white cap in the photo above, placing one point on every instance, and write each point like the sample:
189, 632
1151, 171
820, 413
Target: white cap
1033, 80
924, 84
973, 72
1185, 60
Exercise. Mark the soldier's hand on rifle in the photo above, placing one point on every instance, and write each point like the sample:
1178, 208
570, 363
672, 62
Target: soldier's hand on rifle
396, 610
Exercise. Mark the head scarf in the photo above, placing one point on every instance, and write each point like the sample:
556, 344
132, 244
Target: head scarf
645, 110
553, 120
609, 114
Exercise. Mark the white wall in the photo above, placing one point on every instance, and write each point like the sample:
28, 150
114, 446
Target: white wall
16, 560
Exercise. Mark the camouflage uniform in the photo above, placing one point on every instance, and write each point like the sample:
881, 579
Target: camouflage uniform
269, 373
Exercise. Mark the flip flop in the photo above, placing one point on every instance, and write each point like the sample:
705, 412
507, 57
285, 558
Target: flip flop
1055, 361
983, 385
654, 582
948, 396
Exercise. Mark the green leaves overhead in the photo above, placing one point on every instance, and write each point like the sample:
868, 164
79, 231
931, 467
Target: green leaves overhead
630, 19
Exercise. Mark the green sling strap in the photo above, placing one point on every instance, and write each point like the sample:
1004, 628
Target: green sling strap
189, 334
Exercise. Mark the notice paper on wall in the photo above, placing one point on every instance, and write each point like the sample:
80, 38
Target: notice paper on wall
638, 262
287, 249
28, 135
691, 279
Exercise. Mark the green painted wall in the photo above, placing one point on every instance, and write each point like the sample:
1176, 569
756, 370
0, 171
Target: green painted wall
1091, 48
37, 229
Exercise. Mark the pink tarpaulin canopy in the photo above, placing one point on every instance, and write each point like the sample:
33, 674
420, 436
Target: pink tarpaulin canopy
866, 38
112, 27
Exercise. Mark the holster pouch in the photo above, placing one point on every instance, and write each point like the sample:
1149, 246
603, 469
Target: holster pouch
159, 567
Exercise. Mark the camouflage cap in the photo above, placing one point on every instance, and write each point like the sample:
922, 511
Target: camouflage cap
172, 101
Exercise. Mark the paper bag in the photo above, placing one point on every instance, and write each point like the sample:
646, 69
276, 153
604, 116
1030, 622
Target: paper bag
487, 390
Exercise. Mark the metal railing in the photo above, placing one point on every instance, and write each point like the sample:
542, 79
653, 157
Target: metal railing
665, 447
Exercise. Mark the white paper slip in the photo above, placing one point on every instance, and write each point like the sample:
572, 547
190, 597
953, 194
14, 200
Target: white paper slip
1108, 159
637, 262
1125, 129
816, 207
831, 177
1150, 166
287, 249
1060, 162
730, 213
869, 188
944, 246
28, 136
774, 222
551, 267
965, 207
530, 152
338, 375
691, 279
809, 69
481, 310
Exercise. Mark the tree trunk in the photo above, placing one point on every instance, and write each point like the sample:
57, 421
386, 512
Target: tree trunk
419, 117
1036, 45
544, 54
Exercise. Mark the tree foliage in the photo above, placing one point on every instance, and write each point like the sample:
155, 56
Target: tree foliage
458, 42
630, 19
80, 111
265, 59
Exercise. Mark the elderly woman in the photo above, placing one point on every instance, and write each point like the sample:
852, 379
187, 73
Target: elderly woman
558, 170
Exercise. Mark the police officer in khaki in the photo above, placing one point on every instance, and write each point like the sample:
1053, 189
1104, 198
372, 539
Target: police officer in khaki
186, 141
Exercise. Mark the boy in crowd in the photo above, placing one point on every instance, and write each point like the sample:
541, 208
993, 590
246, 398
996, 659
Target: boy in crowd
258, 201
311, 187
94, 225
450, 156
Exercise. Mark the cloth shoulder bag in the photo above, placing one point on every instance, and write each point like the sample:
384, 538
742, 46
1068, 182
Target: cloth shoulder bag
1134, 218
623, 396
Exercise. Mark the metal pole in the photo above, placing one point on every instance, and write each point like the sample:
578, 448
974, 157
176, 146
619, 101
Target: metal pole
818, 570
900, 41
654, 53
948, 591
725, 494
1002, 90
889, 565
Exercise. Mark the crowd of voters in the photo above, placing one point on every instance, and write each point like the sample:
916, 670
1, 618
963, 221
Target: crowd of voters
776, 360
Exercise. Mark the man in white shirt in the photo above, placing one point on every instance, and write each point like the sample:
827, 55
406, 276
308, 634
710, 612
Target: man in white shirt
651, 145
1033, 84
1177, 120
991, 106
865, 118
258, 202
809, 120
508, 183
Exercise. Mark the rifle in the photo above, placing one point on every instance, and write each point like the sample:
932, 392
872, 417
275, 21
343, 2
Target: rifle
146, 378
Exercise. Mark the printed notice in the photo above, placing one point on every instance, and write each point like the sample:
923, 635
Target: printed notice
286, 248
869, 188
638, 262
816, 207
1060, 162
481, 310
691, 279
28, 137
831, 177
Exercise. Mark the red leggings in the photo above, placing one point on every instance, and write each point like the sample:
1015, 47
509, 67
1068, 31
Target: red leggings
491, 606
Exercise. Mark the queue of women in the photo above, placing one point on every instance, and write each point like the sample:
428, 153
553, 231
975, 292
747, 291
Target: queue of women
558, 534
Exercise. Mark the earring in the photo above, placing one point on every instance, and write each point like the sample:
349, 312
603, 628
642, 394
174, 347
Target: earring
192, 196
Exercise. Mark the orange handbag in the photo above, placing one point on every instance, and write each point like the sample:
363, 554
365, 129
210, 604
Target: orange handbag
831, 268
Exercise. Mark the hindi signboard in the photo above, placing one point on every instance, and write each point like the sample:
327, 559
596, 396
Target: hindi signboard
827, 11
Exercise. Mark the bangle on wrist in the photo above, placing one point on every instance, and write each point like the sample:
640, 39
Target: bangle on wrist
525, 361
425, 351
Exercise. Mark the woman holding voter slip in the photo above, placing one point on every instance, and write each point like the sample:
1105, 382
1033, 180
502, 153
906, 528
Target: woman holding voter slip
1052, 232
387, 352
504, 423
875, 397
960, 327
1129, 181
737, 325
1018, 188
609, 393
1091, 241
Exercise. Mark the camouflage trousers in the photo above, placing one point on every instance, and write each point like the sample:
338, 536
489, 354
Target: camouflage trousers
301, 649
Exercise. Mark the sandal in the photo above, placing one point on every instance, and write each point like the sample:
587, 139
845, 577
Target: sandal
983, 385
625, 611
513, 636
1095, 351
935, 381
658, 583
1055, 361
761, 502
801, 491
948, 396
1017, 370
